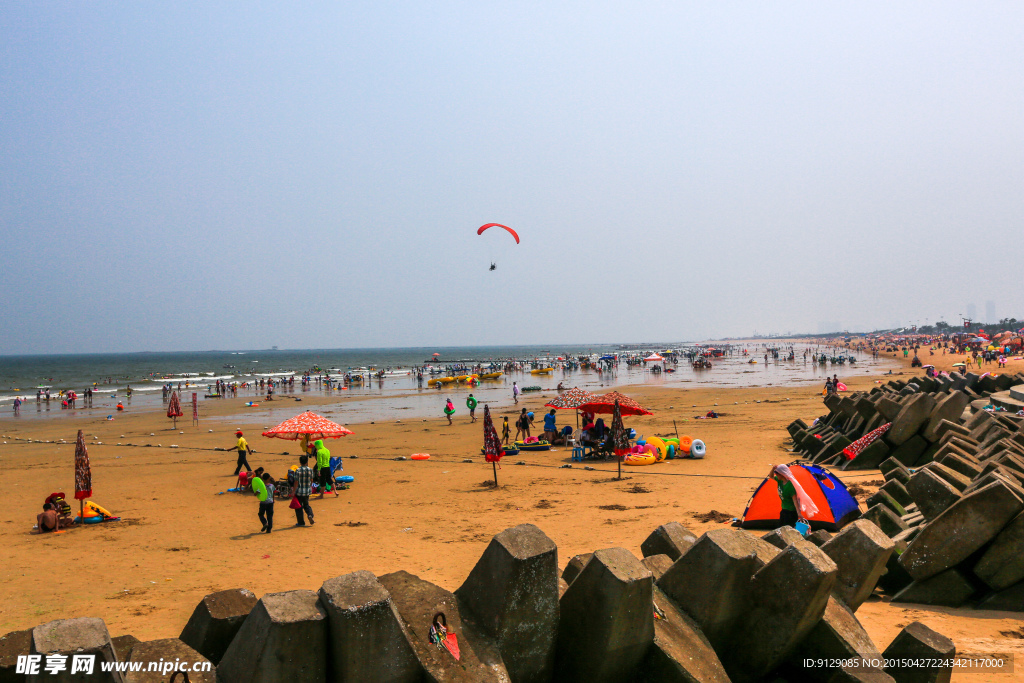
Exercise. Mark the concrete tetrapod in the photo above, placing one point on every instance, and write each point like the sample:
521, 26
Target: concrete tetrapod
913, 414
607, 621
216, 620
82, 636
838, 636
931, 493
417, 601
915, 644
365, 635
680, 652
512, 594
860, 551
284, 638
169, 651
1002, 565
779, 617
672, 539
966, 526
711, 581
950, 588
12, 645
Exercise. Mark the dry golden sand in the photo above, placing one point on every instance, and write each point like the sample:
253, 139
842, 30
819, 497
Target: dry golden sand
180, 541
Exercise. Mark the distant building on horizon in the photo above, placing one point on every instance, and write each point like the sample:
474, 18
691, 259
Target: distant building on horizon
990, 311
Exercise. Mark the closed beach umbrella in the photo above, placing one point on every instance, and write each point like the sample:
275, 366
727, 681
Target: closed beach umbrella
306, 427
492, 444
174, 408
83, 473
605, 403
620, 441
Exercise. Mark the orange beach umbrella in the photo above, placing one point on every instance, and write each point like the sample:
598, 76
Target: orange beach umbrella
308, 425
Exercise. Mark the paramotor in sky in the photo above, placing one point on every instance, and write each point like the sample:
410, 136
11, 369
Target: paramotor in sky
512, 232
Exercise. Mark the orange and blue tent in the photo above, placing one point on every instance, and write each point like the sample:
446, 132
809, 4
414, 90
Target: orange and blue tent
836, 507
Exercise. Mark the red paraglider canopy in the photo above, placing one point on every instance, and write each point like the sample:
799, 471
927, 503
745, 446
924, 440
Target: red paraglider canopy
512, 232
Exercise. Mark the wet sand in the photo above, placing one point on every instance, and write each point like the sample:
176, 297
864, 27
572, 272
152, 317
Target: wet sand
179, 540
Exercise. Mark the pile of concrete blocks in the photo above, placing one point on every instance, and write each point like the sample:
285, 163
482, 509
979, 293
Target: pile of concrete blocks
725, 606
953, 497
926, 414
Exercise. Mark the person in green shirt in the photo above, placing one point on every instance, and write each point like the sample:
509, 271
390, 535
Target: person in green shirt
471, 404
323, 467
787, 497
265, 495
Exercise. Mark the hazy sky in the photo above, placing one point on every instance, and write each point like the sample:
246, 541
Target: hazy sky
184, 176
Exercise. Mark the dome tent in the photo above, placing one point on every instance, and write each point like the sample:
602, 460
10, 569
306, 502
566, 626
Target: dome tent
836, 507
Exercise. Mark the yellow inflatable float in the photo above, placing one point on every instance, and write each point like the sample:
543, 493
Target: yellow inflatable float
490, 375
542, 371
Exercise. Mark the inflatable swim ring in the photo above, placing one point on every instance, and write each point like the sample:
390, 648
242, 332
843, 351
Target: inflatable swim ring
697, 449
639, 460
345, 479
535, 446
685, 442
660, 448
420, 456
671, 451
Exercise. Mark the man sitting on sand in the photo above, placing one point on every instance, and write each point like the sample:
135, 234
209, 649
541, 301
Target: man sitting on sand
47, 520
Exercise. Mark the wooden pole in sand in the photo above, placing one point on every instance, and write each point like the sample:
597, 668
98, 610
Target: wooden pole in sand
675, 428
495, 466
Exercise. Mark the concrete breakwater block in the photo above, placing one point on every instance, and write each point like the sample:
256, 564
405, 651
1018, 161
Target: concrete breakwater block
947, 409
950, 588
912, 416
575, 566
284, 638
672, 539
658, 564
837, 636
783, 537
607, 620
168, 651
123, 646
711, 581
967, 525
417, 601
216, 620
1008, 600
780, 618
680, 651
82, 636
860, 551
915, 644
932, 494
365, 634
512, 595
11, 645
885, 519
1002, 565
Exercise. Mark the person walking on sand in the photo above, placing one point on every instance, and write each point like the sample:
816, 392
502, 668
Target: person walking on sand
515, 392
301, 489
264, 491
504, 431
243, 450
449, 410
471, 404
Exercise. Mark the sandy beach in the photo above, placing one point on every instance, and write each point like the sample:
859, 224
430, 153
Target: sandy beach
179, 540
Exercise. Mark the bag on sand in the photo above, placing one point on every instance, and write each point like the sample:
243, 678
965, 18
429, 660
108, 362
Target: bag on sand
295, 504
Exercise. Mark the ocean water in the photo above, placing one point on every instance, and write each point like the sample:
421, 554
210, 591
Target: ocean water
392, 398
